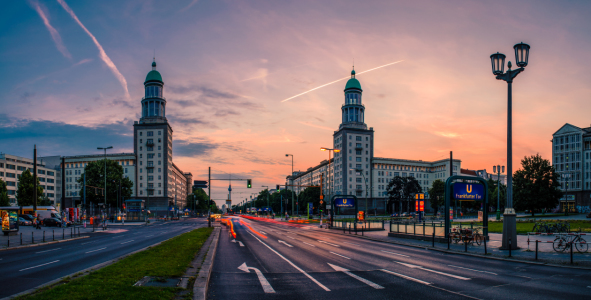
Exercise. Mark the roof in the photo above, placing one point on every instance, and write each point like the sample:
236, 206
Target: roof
468, 172
154, 76
353, 83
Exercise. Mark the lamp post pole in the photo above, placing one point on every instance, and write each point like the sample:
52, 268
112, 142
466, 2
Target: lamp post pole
267, 198
105, 148
498, 64
291, 177
497, 169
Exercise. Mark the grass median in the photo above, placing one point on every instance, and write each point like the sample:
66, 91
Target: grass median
525, 227
169, 259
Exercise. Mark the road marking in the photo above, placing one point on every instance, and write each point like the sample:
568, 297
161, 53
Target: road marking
339, 255
328, 243
263, 232
292, 264
264, 283
405, 277
429, 270
233, 241
396, 253
308, 244
39, 265
290, 237
48, 250
286, 244
241, 244
352, 243
341, 269
474, 270
149, 235
96, 250
126, 242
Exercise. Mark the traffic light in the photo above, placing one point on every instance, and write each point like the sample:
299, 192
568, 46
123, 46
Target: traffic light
278, 188
248, 183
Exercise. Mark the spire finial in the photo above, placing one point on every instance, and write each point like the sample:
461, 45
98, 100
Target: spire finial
353, 71
154, 62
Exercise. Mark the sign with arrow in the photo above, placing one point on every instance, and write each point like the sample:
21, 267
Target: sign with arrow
264, 283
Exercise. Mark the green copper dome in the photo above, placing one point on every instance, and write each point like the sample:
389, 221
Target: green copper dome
353, 84
154, 76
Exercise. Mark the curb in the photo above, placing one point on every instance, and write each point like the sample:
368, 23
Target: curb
46, 243
201, 285
82, 273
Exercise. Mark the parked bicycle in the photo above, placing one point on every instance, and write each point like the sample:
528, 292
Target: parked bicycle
543, 227
564, 242
469, 236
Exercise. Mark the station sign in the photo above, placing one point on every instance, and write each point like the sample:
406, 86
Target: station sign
344, 202
468, 191
420, 205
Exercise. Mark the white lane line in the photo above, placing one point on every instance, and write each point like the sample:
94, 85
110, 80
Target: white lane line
405, 277
352, 243
149, 235
96, 250
339, 255
308, 244
474, 270
241, 244
263, 232
88, 243
126, 242
48, 250
264, 283
290, 237
328, 243
286, 244
341, 269
292, 264
39, 265
396, 253
429, 270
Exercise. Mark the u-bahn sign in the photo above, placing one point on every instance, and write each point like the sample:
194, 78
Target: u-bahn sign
344, 202
468, 191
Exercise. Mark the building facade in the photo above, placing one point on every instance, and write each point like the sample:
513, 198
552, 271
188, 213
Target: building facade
355, 171
11, 168
571, 158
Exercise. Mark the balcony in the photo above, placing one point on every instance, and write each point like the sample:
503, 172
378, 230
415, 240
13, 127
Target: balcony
358, 148
153, 97
150, 167
150, 143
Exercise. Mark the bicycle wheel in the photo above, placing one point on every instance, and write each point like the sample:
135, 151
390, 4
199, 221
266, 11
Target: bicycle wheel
477, 239
559, 244
582, 246
455, 237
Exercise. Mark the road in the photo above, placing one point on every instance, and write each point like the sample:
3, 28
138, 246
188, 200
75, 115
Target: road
274, 260
27, 268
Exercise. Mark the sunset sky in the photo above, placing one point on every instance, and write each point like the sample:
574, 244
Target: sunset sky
73, 73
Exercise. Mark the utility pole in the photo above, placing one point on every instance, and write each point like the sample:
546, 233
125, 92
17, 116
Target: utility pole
451, 173
209, 198
35, 181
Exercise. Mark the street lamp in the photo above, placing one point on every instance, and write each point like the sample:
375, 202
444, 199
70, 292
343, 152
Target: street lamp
330, 179
267, 198
497, 169
291, 176
498, 64
364, 180
105, 148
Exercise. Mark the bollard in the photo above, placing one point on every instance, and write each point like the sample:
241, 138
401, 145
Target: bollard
53, 234
433, 240
510, 247
32, 238
485, 251
8, 241
78, 231
44, 236
63, 234
571, 252
355, 228
21, 238
344, 228
70, 232
448, 239
349, 228
362, 231
537, 249
465, 245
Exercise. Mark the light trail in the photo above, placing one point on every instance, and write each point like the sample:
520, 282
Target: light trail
341, 80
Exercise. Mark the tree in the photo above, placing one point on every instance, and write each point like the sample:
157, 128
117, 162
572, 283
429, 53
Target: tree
95, 172
536, 185
402, 189
200, 196
309, 195
4, 200
26, 190
45, 202
437, 194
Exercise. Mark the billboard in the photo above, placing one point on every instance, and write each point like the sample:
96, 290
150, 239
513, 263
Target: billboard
468, 191
344, 202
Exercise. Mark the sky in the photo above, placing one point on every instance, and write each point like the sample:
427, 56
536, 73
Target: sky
72, 73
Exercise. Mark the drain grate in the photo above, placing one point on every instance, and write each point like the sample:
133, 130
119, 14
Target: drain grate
159, 281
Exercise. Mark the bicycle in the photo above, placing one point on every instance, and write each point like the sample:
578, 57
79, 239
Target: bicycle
563, 243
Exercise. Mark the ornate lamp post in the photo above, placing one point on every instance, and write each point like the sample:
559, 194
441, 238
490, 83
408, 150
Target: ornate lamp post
498, 65
497, 169
291, 177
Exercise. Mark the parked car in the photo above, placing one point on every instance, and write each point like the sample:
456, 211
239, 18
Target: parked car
27, 217
24, 222
52, 222
404, 214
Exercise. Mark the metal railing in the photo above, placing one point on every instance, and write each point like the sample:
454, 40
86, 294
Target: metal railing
418, 228
367, 225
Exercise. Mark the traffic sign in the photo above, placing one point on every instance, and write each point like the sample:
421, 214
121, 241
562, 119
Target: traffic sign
321, 197
202, 184
321, 202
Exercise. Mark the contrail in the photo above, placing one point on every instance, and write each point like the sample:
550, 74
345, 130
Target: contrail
341, 79
102, 53
57, 39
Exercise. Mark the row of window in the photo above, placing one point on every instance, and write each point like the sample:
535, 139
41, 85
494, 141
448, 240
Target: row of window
150, 148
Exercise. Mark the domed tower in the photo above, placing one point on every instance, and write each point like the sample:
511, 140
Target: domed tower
353, 110
153, 103
351, 166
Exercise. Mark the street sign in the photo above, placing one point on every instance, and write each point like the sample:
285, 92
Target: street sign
199, 184
344, 202
321, 197
468, 191
321, 202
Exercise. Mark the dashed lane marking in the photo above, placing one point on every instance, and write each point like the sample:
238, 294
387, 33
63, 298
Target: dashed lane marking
48, 250
395, 253
308, 244
325, 242
474, 270
41, 265
339, 255
126, 242
96, 250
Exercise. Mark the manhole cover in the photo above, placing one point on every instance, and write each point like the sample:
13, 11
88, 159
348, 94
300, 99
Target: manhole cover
159, 281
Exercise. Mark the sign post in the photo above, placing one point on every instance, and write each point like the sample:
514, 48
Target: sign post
467, 190
345, 201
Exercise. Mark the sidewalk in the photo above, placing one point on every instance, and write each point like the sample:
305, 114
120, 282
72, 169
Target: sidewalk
31, 236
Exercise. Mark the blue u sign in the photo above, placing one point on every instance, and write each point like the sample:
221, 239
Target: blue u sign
344, 202
468, 191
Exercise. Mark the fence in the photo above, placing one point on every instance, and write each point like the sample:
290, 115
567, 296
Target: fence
367, 225
415, 228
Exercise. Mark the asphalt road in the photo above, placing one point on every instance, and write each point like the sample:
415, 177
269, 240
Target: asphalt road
297, 262
27, 268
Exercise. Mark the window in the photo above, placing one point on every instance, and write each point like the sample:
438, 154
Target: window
358, 166
141, 149
141, 162
358, 159
150, 170
159, 148
150, 148
11, 175
159, 162
358, 152
159, 177
141, 170
357, 179
358, 138
140, 156
367, 138
159, 132
150, 133
125, 170
141, 141
159, 154
150, 163
358, 145
159, 170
